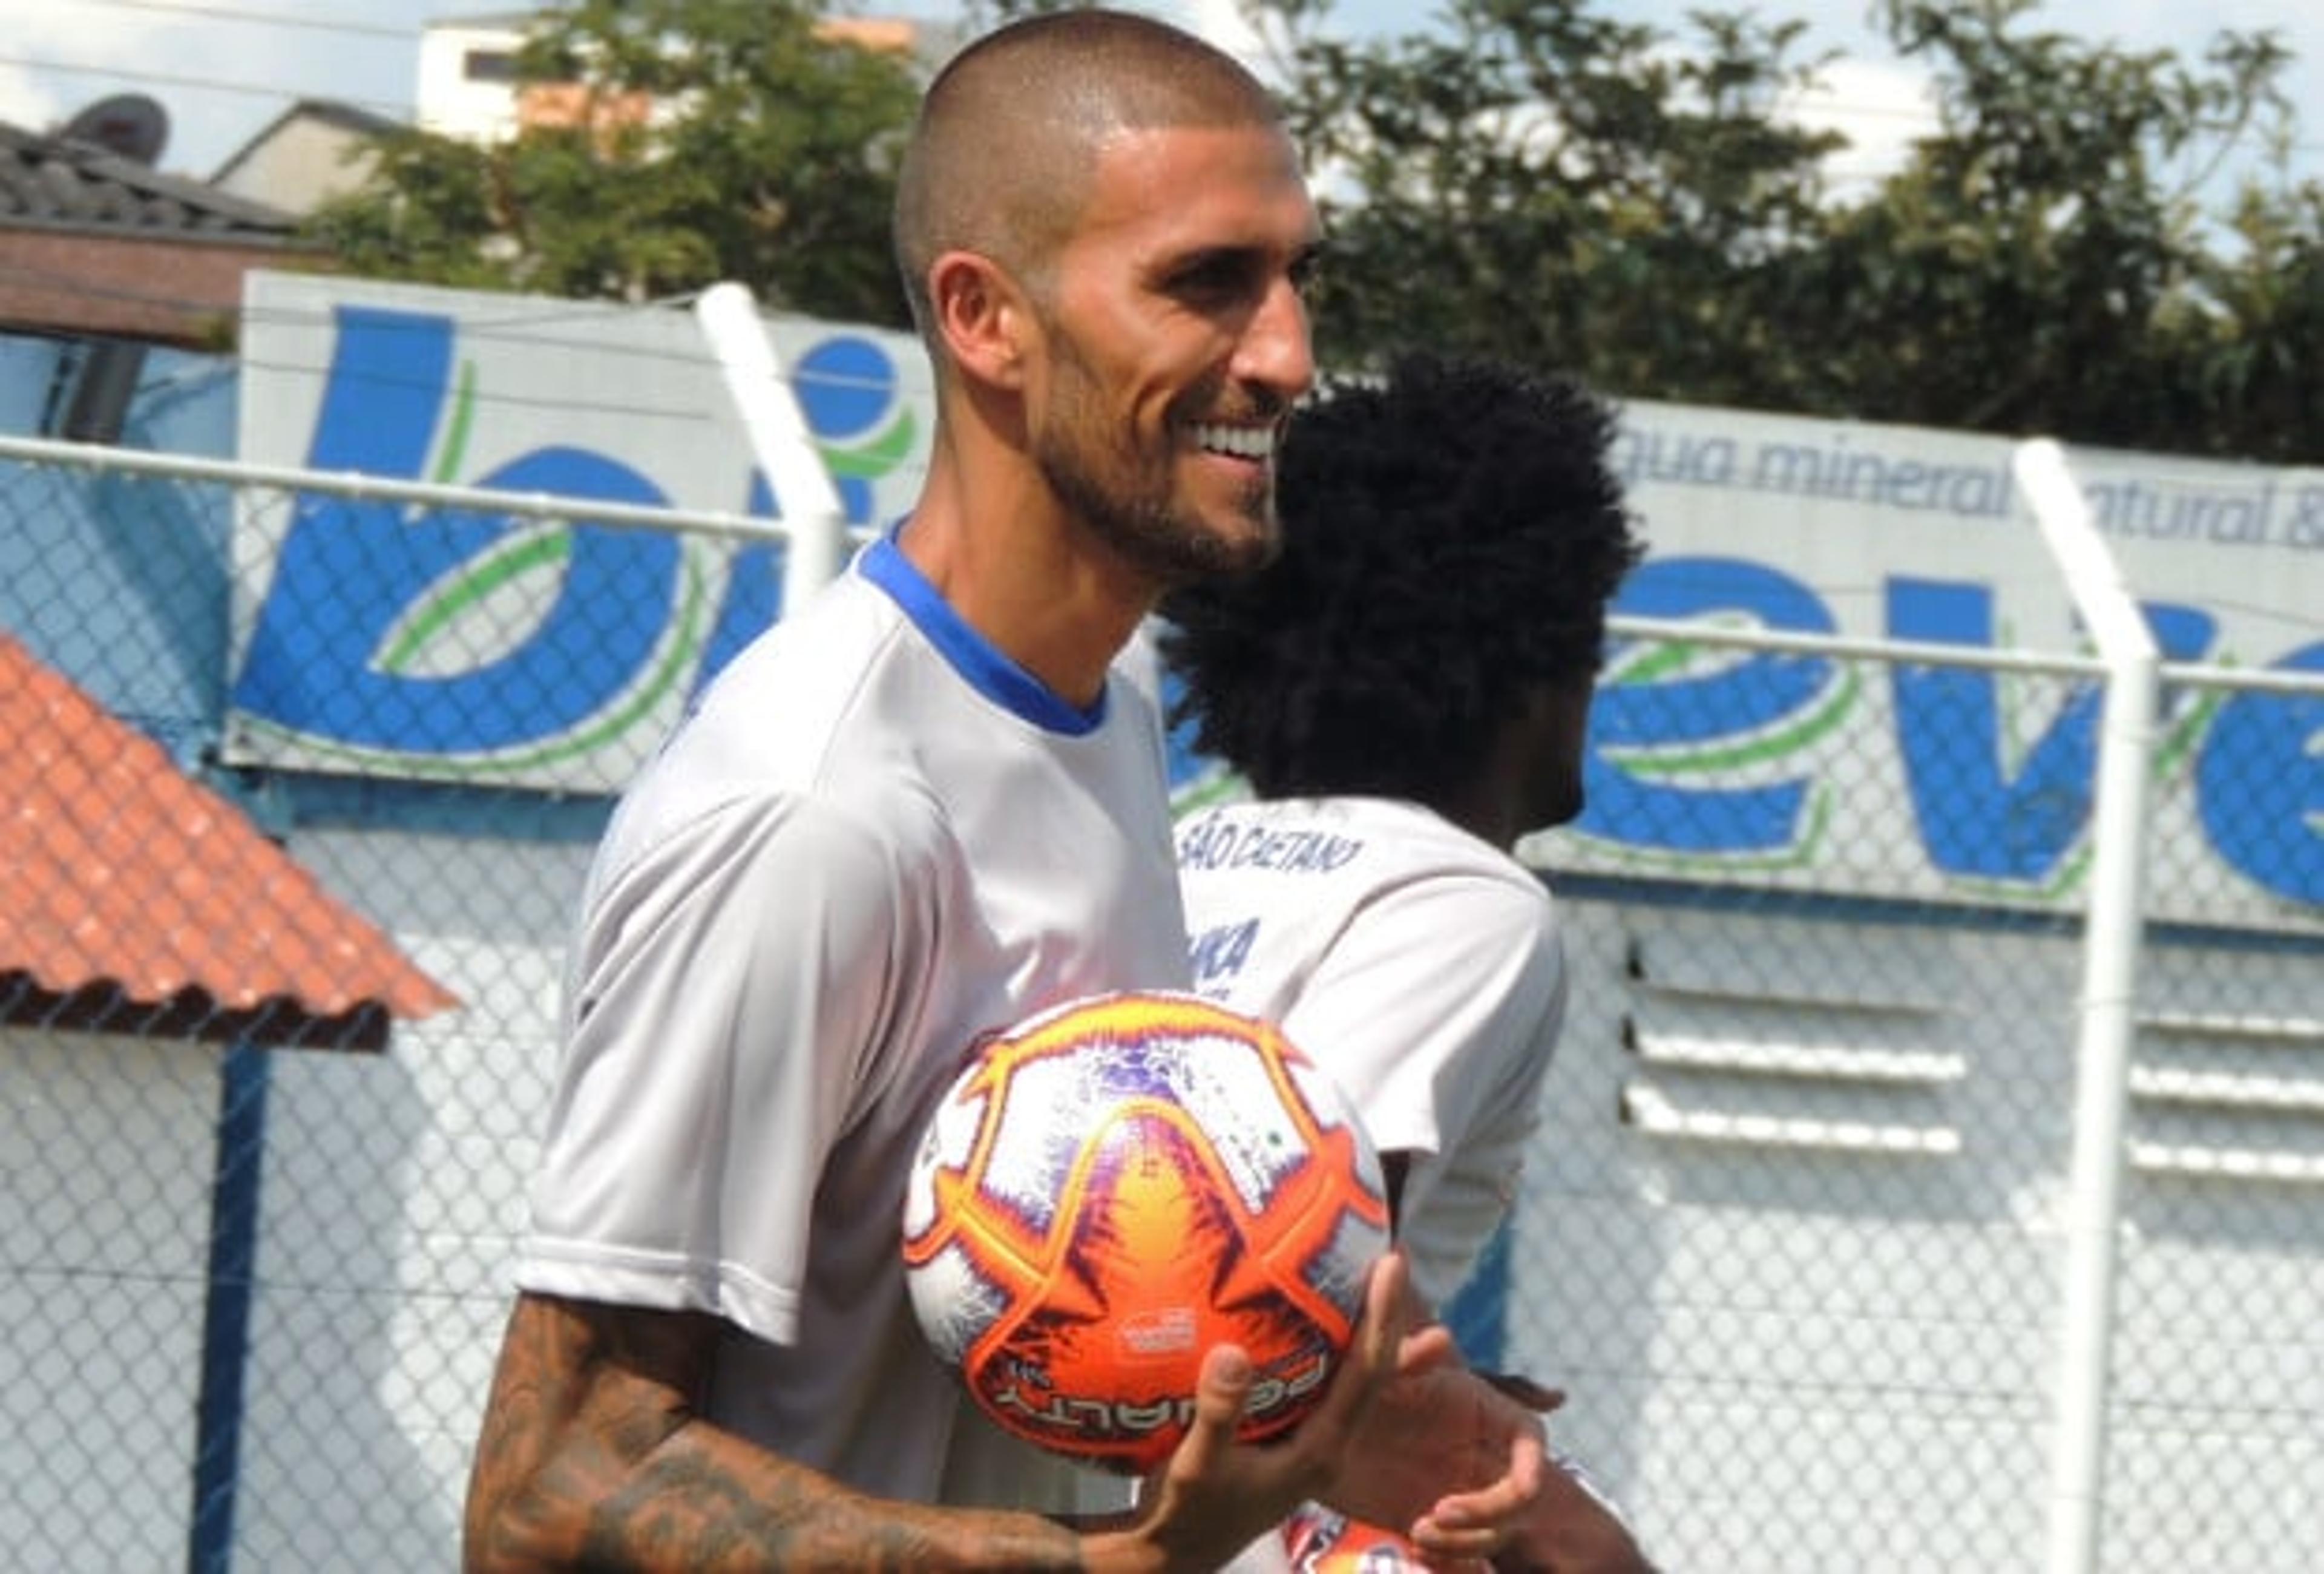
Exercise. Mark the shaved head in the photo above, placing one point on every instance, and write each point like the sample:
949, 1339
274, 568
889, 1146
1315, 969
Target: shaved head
1008, 133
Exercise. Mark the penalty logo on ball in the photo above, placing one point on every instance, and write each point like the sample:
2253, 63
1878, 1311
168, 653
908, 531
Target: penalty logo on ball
1115, 1186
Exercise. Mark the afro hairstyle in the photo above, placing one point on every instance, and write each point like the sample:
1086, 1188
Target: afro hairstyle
1452, 536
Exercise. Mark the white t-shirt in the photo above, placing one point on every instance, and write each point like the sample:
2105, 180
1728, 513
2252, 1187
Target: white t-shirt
874, 839
1416, 963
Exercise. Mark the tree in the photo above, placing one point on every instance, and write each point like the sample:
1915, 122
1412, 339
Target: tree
2099, 244
1534, 180
701, 140
2062, 255
2056, 229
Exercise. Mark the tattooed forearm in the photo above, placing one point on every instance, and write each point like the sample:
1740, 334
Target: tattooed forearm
591, 1459
691, 1509
518, 1477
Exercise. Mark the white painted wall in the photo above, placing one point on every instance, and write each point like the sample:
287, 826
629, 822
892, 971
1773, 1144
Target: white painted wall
105, 1210
451, 100
1785, 1360
394, 1191
309, 161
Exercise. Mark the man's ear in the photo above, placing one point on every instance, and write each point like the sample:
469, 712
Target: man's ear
983, 317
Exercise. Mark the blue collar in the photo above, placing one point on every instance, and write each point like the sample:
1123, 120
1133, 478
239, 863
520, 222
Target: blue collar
990, 672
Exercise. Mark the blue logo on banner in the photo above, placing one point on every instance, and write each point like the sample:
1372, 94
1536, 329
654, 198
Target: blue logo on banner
363, 594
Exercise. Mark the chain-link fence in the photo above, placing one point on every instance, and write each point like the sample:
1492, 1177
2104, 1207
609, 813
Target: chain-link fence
1794, 1237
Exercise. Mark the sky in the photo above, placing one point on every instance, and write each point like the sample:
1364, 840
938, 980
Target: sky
224, 69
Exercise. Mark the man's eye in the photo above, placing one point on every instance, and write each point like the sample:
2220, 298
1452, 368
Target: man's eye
1213, 279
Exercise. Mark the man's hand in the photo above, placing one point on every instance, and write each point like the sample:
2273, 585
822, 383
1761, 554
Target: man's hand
1445, 1449
1566, 1526
1444, 1430
1564, 1529
1459, 1459
1216, 1495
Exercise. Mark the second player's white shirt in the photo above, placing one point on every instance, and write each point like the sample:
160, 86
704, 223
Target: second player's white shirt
1416, 963
874, 840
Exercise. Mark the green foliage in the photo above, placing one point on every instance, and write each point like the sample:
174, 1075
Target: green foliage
1531, 178
769, 159
1534, 180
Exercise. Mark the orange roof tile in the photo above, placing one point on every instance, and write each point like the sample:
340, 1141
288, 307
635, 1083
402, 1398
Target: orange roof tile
137, 900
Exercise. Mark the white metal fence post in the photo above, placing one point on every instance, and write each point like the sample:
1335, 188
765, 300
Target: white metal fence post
2109, 962
814, 519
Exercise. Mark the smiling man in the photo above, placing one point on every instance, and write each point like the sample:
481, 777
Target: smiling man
921, 808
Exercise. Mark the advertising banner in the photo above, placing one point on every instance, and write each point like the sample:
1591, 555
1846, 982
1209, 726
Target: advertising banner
503, 650
380, 639
1714, 762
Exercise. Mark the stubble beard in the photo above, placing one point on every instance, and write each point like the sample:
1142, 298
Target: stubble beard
1156, 535
1126, 499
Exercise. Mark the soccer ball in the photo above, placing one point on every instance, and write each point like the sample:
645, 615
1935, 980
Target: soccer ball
1114, 1186
1324, 1540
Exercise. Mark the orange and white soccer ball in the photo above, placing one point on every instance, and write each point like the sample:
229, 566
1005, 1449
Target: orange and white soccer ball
1116, 1185
1324, 1540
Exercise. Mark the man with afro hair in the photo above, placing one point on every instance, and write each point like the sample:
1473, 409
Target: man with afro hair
1406, 689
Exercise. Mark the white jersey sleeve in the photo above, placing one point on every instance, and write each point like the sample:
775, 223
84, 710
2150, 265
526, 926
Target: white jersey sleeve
684, 1163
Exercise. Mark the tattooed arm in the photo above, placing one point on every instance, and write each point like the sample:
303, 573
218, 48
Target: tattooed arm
593, 1456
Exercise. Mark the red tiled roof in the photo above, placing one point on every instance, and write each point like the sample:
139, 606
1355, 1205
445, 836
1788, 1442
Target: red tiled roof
137, 900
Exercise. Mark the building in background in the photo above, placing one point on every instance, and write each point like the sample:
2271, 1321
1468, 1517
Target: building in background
95, 242
468, 87
313, 152
103, 258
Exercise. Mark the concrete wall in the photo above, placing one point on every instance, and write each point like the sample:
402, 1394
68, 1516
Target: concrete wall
1786, 1353
394, 1192
106, 1151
